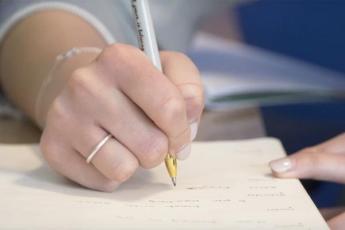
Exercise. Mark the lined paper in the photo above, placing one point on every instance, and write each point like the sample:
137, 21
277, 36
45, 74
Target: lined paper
223, 185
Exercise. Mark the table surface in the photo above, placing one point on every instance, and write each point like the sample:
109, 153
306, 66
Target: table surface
215, 125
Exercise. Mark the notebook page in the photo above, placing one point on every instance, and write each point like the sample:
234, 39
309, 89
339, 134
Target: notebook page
223, 185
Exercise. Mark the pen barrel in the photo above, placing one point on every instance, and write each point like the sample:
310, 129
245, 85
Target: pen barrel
148, 43
146, 34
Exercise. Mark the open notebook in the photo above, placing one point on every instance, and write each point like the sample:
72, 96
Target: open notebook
237, 75
223, 185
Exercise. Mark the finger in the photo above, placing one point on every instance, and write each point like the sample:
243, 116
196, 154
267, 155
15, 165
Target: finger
132, 128
310, 164
150, 90
337, 222
334, 145
184, 74
72, 165
329, 213
113, 159
110, 109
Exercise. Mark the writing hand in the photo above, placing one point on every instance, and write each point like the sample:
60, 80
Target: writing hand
147, 112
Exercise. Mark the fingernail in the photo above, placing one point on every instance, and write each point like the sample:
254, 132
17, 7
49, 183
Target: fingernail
193, 130
281, 165
184, 153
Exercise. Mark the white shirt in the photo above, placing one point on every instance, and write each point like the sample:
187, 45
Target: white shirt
174, 20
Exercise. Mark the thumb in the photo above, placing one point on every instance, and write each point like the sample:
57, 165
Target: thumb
309, 163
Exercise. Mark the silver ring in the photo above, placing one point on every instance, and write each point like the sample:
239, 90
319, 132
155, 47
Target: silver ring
97, 148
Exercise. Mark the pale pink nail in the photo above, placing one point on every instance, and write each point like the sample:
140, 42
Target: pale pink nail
281, 165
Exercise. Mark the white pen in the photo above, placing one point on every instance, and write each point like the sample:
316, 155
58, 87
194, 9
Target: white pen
148, 44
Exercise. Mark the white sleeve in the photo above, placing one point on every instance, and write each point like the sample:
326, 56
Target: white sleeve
18, 13
176, 21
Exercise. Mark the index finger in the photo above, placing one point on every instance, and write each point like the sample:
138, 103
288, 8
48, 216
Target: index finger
186, 77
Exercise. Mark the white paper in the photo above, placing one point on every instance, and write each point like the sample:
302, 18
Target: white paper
223, 185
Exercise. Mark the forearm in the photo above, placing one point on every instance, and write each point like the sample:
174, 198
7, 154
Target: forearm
29, 51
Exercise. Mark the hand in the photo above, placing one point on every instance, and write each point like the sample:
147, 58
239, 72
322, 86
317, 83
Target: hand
147, 112
325, 161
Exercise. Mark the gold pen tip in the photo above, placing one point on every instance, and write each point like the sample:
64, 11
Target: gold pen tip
173, 179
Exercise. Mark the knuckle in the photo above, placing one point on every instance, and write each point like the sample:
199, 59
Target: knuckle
195, 106
315, 159
173, 108
79, 82
57, 111
154, 151
308, 158
124, 171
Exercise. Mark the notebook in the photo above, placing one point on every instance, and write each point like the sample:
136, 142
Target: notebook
223, 185
240, 76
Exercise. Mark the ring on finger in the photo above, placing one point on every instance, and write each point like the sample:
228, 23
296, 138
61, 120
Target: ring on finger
96, 149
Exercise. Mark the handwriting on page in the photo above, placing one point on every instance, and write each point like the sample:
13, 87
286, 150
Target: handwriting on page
240, 197
222, 186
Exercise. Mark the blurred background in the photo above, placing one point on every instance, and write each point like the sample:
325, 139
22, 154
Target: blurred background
307, 37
